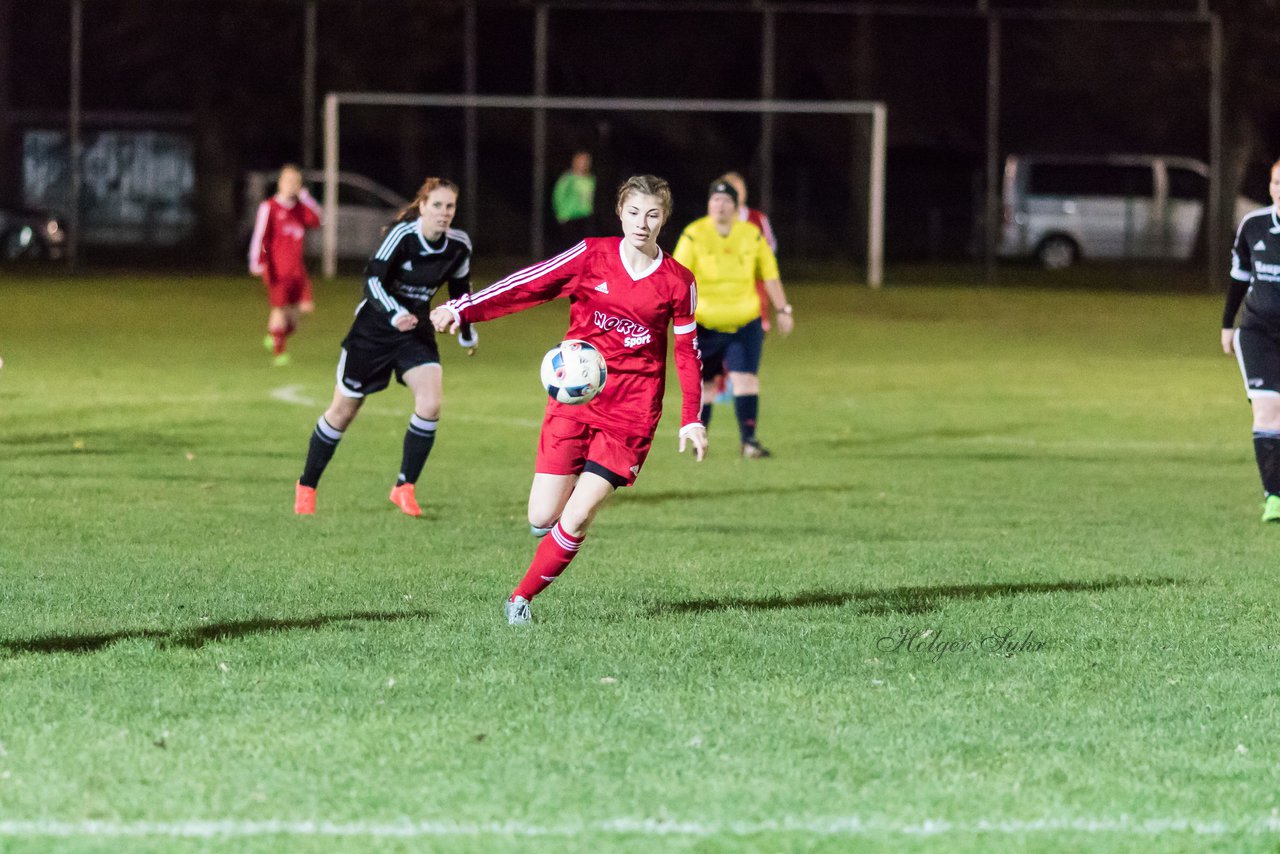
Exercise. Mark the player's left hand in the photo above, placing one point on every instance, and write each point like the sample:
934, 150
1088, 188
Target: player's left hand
697, 435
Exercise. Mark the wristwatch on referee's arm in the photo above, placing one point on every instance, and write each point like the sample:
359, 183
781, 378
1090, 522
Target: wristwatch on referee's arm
786, 309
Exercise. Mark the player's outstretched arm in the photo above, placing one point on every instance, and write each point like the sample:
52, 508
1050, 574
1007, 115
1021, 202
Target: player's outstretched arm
445, 319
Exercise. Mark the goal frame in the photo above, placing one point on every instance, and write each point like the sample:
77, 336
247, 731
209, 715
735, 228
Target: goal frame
540, 104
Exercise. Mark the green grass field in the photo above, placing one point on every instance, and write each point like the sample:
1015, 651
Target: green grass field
185, 665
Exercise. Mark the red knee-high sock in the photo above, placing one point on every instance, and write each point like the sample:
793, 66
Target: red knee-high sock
553, 555
278, 337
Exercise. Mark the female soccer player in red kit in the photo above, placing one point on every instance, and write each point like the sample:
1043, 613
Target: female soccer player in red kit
275, 253
623, 294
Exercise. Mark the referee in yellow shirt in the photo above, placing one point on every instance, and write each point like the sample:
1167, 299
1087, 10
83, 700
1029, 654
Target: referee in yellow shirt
727, 256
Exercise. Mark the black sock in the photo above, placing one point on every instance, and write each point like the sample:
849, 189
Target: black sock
418, 440
705, 418
1266, 448
324, 441
746, 407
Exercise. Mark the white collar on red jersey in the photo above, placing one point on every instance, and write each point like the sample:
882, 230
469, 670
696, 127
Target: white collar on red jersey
284, 202
637, 275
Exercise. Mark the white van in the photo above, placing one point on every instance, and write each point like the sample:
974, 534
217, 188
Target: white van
1059, 209
365, 208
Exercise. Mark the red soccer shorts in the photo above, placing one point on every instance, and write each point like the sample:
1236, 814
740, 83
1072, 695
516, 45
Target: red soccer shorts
566, 446
285, 292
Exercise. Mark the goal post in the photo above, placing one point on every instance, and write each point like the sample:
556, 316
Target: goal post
539, 104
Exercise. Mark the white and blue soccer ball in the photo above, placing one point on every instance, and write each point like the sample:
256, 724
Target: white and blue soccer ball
573, 372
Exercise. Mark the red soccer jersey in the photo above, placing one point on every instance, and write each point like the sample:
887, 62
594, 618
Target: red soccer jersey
761, 221
624, 314
275, 251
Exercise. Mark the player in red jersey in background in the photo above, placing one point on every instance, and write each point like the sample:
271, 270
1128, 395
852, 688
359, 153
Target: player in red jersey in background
623, 294
760, 220
275, 253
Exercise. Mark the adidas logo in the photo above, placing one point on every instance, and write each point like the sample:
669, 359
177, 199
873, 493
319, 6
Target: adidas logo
603, 287
1260, 246
635, 469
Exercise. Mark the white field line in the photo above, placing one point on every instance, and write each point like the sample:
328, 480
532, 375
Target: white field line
294, 394
826, 827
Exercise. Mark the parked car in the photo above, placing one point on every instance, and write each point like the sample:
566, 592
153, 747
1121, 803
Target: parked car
31, 234
365, 207
1059, 209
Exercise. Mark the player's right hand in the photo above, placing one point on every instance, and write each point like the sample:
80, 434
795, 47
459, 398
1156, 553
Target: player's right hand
405, 322
1228, 341
444, 320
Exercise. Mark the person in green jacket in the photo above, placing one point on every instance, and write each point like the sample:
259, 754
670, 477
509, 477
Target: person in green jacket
573, 199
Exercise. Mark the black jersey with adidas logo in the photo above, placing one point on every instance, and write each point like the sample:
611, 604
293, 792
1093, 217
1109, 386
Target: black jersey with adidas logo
1255, 258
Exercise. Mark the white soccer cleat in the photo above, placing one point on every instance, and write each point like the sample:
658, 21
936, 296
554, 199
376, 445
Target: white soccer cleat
517, 610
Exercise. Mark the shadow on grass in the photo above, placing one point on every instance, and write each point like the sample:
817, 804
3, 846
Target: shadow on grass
194, 637
659, 497
901, 600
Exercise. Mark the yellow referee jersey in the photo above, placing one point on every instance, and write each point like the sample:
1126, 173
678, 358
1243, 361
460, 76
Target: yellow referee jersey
726, 269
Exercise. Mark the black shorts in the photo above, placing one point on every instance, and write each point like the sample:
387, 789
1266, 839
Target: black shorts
370, 355
1258, 351
737, 351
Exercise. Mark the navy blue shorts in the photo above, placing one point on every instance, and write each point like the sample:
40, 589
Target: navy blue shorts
737, 351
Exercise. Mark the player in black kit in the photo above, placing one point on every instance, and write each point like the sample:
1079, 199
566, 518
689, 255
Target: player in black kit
1255, 280
419, 254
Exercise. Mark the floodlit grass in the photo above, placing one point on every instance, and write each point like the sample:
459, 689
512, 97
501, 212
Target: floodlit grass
1070, 471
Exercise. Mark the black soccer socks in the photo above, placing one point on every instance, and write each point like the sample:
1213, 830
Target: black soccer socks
418, 440
746, 407
1266, 448
324, 441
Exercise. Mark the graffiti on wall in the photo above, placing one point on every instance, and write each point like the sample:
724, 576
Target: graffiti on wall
137, 186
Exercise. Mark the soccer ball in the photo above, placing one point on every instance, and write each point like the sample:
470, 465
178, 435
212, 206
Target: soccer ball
573, 372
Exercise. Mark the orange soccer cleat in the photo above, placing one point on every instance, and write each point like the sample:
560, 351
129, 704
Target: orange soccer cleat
304, 500
402, 497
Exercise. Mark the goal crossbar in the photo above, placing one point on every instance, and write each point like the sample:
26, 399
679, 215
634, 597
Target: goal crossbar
876, 110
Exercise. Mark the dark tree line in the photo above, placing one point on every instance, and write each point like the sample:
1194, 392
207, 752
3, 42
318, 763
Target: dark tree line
233, 69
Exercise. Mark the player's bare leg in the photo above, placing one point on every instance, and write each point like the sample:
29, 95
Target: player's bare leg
427, 384
343, 410
547, 498
585, 501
